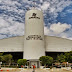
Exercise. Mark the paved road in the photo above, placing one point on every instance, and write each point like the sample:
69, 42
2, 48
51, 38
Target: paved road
37, 70
44, 70
30, 70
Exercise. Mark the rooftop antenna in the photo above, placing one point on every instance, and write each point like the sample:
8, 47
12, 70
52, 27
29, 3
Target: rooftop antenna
34, 3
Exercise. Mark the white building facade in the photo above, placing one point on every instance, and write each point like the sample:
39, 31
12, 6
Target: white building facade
34, 43
34, 35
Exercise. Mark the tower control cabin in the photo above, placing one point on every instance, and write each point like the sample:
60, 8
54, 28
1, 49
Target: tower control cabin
34, 43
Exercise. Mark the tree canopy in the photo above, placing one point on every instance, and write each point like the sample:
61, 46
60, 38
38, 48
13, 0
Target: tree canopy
22, 61
7, 58
46, 60
61, 58
66, 57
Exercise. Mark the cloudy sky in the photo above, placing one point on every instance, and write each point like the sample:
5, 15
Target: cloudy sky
57, 17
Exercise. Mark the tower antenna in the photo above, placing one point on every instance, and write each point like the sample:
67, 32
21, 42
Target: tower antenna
34, 3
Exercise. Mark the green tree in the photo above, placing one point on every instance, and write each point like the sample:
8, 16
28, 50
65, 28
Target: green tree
50, 60
61, 58
68, 56
1, 53
1, 56
7, 58
22, 62
46, 60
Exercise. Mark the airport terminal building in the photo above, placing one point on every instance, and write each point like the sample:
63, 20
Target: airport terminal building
34, 43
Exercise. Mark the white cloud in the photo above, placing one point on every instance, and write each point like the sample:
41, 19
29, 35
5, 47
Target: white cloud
45, 6
9, 2
53, 7
17, 29
0, 1
11, 6
69, 10
10, 29
59, 6
41, 1
2, 36
63, 35
3, 23
59, 28
70, 38
46, 31
4, 31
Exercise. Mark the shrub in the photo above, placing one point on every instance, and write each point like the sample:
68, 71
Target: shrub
46, 60
22, 62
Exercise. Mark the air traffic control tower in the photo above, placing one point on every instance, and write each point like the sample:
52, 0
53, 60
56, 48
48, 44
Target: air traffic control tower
34, 37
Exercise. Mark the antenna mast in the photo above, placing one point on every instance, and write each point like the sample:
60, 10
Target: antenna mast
34, 3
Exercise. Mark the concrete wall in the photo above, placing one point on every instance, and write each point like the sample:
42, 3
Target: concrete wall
57, 44
34, 35
14, 44
52, 44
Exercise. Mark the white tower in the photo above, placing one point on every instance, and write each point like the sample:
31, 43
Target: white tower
34, 35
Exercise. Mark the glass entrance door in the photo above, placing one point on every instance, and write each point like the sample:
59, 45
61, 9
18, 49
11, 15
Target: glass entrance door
36, 63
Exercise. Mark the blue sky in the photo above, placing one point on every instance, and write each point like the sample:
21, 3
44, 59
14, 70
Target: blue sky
57, 17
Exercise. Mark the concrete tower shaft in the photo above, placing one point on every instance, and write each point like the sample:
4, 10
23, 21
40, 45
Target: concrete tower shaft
34, 35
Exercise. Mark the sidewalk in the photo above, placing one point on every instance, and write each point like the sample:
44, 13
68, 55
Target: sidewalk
37, 70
